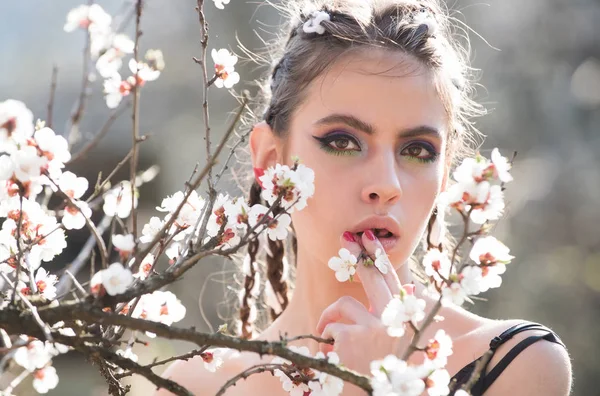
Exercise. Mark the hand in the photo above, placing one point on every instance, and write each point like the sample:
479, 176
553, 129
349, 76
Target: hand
364, 338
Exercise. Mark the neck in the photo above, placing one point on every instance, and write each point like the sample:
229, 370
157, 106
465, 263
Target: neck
317, 288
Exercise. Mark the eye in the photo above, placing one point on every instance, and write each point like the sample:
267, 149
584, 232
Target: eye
420, 151
343, 143
339, 144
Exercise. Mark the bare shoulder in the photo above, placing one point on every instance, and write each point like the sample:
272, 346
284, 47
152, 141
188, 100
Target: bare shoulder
193, 375
543, 368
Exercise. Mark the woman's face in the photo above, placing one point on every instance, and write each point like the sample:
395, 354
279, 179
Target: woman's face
373, 130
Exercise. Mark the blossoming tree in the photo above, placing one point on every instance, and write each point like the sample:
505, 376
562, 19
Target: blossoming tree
43, 315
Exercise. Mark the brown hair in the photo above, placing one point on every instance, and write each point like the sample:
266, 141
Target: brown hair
422, 29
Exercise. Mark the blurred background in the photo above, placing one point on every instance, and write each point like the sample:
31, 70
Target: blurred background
540, 80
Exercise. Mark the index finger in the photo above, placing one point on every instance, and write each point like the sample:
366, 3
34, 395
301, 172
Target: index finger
390, 276
376, 289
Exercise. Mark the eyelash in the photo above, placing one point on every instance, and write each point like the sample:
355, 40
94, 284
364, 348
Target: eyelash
325, 142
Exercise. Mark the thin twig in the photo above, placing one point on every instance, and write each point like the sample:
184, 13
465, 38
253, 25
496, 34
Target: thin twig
49, 116
185, 356
204, 43
90, 225
136, 127
34, 312
256, 369
102, 133
72, 130
20, 255
210, 163
65, 282
15, 382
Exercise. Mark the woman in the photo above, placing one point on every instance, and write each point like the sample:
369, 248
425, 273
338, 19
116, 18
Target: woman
374, 97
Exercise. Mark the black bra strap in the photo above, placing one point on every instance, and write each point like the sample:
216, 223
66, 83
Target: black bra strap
507, 335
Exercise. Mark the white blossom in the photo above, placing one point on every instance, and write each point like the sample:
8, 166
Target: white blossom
16, 125
439, 348
151, 229
27, 163
219, 3
277, 228
45, 379
116, 279
296, 186
313, 24
190, 211
53, 146
472, 279
327, 384
501, 166
127, 353
115, 89
213, 359
85, 16
36, 354
437, 383
109, 63
224, 68
74, 215
491, 204
72, 185
401, 310
392, 376
45, 283
344, 265
124, 243
382, 261
489, 251
294, 389
436, 264
117, 201
145, 267
144, 71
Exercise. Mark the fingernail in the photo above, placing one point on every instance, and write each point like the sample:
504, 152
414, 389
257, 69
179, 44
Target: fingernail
258, 172
370, 235
349, 237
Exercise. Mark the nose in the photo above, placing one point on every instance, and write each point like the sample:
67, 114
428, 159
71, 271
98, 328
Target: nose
383, 186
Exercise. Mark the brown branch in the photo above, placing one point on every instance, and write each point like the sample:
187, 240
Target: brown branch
136, 368
478, 370
15, 322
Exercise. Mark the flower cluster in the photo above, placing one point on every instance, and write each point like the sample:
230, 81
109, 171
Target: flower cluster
393, 376
295, 186
108, 48
320, 384
490, 257
401, 310
224, 68
36, 356
475, 191
477, 196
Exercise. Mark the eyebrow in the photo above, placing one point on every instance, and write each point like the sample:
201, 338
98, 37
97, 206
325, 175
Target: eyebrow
369, 129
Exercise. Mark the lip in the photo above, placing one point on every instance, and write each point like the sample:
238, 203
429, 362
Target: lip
386, 222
